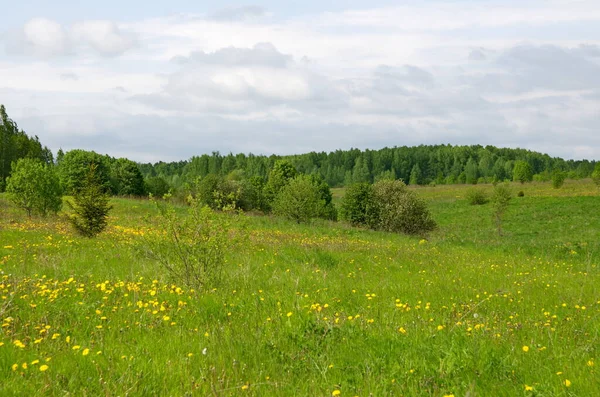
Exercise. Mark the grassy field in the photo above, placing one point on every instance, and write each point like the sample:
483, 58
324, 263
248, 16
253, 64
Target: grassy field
313, 310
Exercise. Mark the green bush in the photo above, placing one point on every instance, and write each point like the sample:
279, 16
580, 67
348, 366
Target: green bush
34, 187
394, 208
558, 179
300, 200
596, 174
500, 200
90, 206
522, 172
355, 202
477, 197
192, 248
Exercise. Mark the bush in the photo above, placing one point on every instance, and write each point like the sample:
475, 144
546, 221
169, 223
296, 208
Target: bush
477, 197
596, 174
191, 248
300, 200
90, 206
500, 200
522, 172
34, 187
394, 208
355, 202
521, 193
558, 179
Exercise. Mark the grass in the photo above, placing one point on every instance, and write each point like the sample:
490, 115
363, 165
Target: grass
313, 309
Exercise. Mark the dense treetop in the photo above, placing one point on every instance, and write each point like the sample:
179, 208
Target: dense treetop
440, 164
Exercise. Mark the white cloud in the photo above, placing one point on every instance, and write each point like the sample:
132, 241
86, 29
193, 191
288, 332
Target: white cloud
507, 73
105, 37
46, 38
40, 37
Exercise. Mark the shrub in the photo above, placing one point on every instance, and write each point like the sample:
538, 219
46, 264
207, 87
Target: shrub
500, 200
558, 179
522, 172
191, 248
355, 202
90, 206
34, 187
477, 197
596, 174
300, 200
394, 208
521, 193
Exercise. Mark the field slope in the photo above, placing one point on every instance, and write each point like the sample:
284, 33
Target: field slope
315, 310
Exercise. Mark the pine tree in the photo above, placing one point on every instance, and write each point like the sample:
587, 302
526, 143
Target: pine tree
90, 206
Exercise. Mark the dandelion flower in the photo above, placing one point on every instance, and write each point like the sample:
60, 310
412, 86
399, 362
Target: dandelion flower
525, 349
245, 387
567, 383
528, 388
289, 314
43, 367
85, 352
336, 393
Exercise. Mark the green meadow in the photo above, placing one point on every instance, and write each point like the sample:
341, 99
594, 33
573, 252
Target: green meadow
316, 309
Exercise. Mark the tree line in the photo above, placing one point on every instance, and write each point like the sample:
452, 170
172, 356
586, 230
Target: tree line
418, 165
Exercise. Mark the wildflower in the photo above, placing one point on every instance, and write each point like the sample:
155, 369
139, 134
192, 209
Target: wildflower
76, 347
528, 388
525, 349
590, 363
34, 362
567, 383
14, 367
440, 327
402, 330
336, 392
245, 387
289, 314
43, 367
85, 352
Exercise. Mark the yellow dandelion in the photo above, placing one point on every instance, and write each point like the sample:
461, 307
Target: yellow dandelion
590, 363
24, 366
76, 347
336, 393
528, 388
567, 383
166, 318
34, 362
43, 367
85, 352
440, 327
245, 387
525, 349
289, 314
402, 330
15, 367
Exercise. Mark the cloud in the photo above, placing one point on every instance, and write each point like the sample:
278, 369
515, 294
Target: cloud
477, 54
104, 37
46, 38
502, 73
69, 76
262, 54
239, 13
40, 37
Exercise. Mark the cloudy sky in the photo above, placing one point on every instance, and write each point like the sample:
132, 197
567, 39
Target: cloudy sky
154, 80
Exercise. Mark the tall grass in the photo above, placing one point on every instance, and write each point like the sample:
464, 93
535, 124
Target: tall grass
313, 310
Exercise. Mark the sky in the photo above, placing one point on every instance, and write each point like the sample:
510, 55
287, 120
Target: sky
152, 81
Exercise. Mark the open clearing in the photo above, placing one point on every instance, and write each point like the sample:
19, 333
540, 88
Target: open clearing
313, 309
